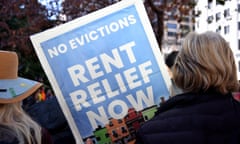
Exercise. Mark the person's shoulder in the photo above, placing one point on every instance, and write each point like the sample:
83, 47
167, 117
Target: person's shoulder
7, 135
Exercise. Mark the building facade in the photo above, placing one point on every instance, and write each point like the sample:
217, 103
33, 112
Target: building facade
175, 30
221, 16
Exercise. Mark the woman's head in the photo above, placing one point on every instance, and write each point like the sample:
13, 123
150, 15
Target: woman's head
205, 62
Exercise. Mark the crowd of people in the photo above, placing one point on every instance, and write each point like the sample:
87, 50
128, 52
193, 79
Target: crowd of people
43, 94
203, 109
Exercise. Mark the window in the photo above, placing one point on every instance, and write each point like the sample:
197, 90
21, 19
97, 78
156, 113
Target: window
197, 13
210, 19
220, 2
218, 30
226, 13
239, 44
210, 4
185, 19
184, 27
114, 133
172, 34
124, 130
226, 29
110, 124
171, 26
238, 8
238, 25
171, 17
120, 121
239, 66
218, 16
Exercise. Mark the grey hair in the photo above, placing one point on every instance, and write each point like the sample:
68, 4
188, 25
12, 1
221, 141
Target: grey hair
14, 117
204, 62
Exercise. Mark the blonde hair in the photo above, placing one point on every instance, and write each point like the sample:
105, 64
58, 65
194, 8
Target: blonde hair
205, 62
14, 117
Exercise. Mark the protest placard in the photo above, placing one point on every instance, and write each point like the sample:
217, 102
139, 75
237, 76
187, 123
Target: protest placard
106, 70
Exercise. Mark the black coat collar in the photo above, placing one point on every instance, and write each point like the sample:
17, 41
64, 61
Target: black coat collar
187, 99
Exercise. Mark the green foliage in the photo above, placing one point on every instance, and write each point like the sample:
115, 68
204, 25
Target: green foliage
20, 19
15, 23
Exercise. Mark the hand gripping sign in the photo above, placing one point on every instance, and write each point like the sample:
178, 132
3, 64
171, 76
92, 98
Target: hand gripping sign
106, 70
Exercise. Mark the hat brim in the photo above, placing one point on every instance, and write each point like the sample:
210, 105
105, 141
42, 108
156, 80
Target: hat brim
15, 90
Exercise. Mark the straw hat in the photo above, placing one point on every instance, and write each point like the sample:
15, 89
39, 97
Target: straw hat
13, 88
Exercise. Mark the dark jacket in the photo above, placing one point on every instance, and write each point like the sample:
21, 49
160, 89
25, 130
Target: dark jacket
204, 118
7, 136
50, 116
